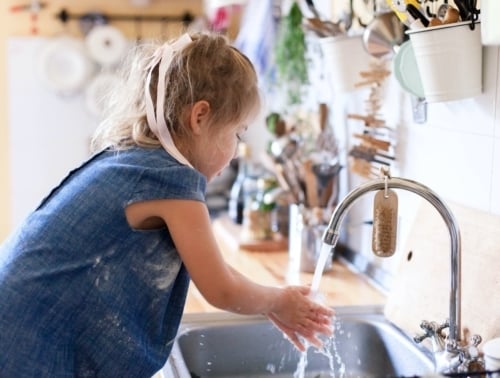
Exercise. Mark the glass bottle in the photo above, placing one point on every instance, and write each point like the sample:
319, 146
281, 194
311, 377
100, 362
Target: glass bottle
244, 185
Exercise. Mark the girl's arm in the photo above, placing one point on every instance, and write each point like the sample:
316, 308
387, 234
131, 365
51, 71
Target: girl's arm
289, 308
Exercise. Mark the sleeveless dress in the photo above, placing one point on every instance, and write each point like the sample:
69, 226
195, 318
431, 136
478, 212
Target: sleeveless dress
81, 293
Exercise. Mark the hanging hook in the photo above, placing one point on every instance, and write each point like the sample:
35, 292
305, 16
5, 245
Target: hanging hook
386, 187
387, 175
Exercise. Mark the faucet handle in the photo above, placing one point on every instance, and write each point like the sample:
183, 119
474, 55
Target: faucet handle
475, 340
432, 330
427, 328
443, 326
469, 356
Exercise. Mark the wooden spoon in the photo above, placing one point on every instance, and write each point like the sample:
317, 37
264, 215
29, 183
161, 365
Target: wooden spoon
310, 183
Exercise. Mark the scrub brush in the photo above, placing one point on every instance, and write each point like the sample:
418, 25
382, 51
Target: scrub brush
385, 215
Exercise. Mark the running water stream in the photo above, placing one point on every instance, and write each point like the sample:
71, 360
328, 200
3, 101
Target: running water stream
325, 253
329, 345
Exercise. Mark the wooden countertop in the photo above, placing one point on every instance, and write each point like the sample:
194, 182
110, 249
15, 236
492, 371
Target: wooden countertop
340, 286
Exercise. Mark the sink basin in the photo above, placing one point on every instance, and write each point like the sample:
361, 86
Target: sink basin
365, 344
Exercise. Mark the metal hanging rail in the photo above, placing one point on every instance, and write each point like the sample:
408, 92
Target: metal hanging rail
64, 16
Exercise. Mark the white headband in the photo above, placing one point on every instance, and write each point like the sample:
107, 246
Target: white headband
157, 123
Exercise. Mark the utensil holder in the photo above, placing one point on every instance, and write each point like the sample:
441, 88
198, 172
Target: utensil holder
305, 240
344, 58
449, 60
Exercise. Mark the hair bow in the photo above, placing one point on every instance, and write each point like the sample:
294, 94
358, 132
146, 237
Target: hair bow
163, 56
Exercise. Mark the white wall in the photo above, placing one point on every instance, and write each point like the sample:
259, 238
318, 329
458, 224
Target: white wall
457, 150
49, 133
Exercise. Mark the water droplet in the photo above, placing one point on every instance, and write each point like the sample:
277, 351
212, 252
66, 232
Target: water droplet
271, 368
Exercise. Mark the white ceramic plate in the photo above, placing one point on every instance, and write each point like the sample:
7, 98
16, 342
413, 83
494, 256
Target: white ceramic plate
64, 65
97, 90
406, 70
106, 45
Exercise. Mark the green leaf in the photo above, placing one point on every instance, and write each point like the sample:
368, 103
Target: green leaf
290, 53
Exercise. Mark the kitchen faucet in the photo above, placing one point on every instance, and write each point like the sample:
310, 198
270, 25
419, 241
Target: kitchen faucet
449, 355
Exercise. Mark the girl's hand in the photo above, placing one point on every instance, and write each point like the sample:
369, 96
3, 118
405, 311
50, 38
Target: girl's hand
297, 315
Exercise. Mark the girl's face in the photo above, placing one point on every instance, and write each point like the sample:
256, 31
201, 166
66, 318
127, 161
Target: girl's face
218, 150
213, 146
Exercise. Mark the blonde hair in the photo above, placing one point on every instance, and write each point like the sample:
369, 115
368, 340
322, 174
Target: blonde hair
209, 69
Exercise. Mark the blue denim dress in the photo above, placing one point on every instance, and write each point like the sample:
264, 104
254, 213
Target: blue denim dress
81, 293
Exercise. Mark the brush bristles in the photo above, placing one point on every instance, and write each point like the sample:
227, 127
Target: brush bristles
385, 218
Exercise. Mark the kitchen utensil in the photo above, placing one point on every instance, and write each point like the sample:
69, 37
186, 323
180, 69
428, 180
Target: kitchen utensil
280, 176
364, 168
323, 116
399, 9
406, 70
327, 179
452, 15
372, 77
326, 141
327, 193
360, 154
331, 28
463, 9
416, 14
369, 120
284, 147
441, 12
322, 28
383, 35
312, 8
374, 142
283, 150
310, 184
64, 65
346, 19
373, 151
370, 154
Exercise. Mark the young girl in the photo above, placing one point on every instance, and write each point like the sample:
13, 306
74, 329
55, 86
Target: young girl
93, 283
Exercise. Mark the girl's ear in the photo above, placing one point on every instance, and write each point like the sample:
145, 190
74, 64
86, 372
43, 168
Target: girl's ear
200, 113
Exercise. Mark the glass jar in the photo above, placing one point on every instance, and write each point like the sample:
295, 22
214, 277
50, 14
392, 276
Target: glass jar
258, 216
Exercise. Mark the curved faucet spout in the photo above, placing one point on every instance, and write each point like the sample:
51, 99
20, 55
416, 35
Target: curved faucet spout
331, 234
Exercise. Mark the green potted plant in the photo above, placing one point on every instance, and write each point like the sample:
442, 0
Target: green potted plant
290, 55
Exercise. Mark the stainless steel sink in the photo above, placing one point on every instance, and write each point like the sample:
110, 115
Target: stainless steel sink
365, 344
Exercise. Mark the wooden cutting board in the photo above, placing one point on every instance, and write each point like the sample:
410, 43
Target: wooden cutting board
421, 288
